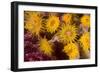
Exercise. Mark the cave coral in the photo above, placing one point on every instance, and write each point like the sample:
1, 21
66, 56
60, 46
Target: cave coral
56, 36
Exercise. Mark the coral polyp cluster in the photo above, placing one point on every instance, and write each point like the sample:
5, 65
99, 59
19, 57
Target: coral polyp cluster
56, 36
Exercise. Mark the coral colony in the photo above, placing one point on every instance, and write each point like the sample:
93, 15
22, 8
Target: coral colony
56, 36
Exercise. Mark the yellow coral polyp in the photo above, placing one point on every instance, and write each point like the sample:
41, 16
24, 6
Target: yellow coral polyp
67, 34
52, 23
33, 22
85, 20
71, 50
85, 42
67, 18
45, 47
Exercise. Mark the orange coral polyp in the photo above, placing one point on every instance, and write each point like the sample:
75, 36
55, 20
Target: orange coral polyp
33, 23
52, 24
67, 18
67, 34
